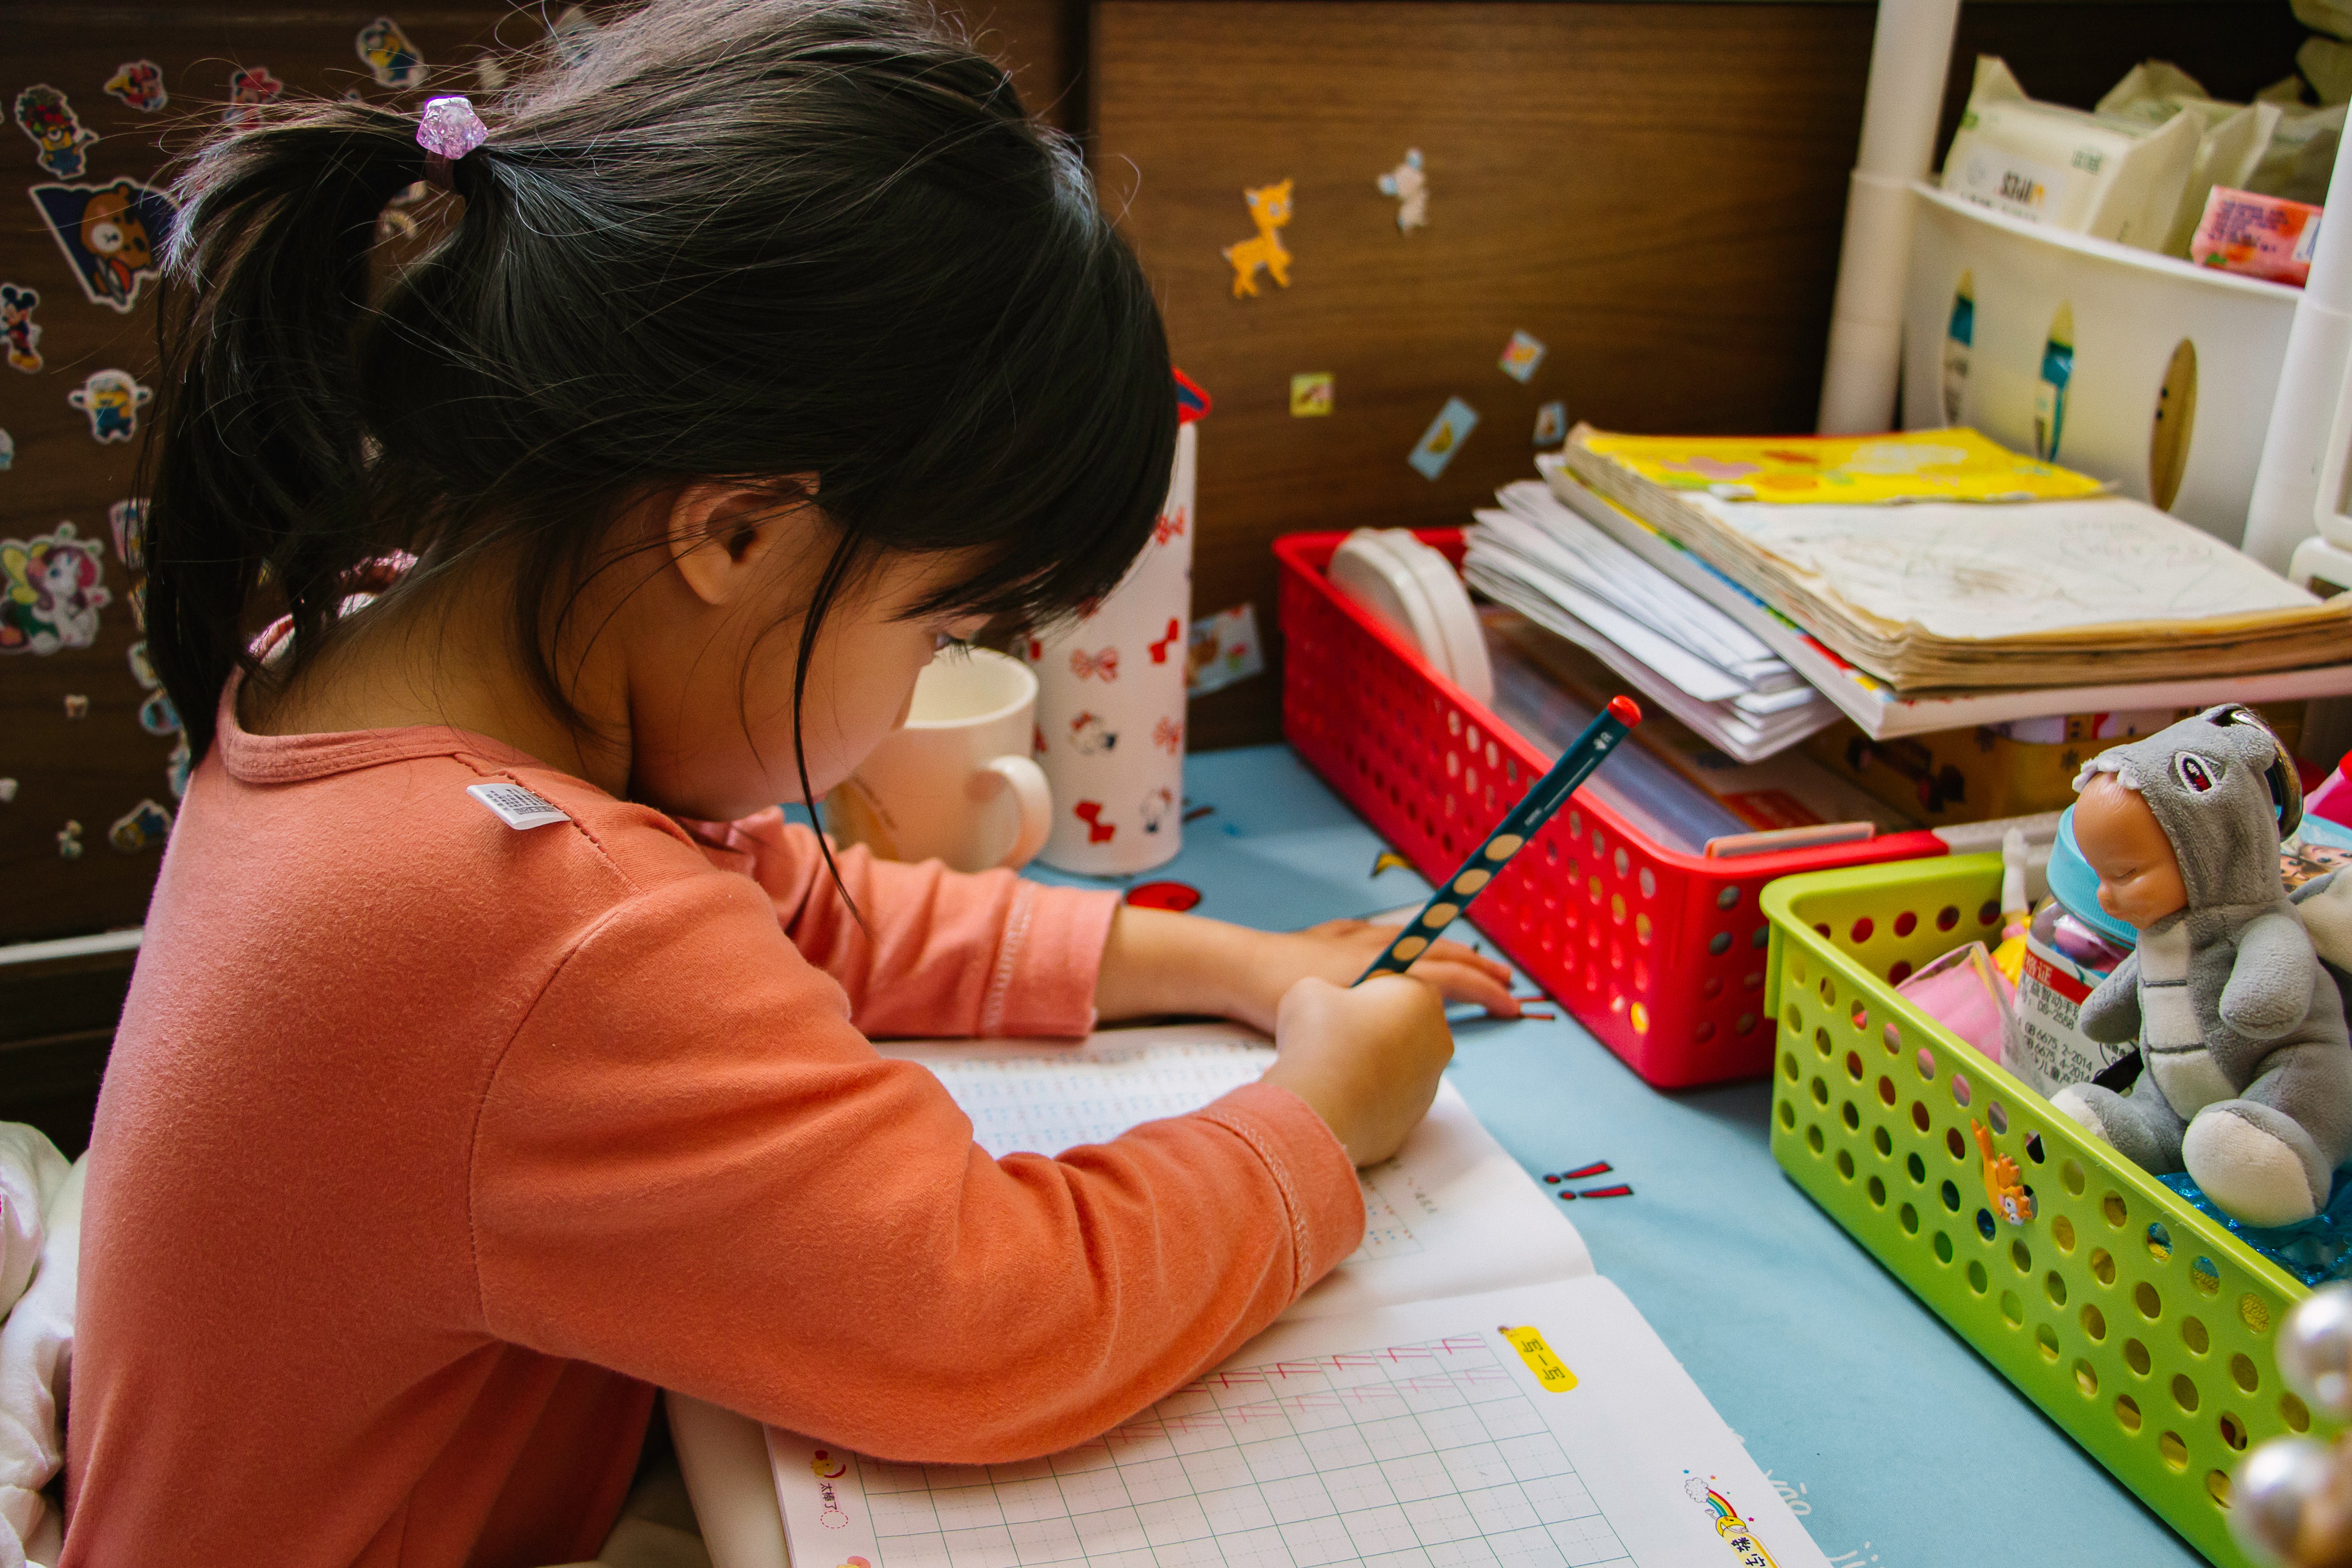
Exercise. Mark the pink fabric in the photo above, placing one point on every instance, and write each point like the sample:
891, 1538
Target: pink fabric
429, 1147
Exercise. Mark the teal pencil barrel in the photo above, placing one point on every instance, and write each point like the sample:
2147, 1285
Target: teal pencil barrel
1520, 824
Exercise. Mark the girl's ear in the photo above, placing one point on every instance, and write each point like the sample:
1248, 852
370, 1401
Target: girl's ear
720, 535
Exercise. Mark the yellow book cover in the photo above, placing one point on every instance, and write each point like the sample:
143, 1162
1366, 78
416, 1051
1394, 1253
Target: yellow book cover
1949, 465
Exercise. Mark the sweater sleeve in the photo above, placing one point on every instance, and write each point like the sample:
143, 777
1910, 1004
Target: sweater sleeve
691, 1168
939, 953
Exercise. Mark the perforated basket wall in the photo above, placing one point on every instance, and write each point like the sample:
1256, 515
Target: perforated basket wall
2138, 1325
1661, 954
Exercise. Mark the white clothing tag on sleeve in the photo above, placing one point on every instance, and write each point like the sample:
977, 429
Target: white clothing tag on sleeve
516, 807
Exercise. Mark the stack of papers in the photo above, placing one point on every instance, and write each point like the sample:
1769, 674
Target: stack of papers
1553, 566
1958, 594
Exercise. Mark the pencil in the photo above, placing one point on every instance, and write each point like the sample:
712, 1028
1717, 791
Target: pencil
1520, 825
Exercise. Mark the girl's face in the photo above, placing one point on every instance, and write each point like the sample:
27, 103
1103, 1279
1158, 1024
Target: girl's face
710, 670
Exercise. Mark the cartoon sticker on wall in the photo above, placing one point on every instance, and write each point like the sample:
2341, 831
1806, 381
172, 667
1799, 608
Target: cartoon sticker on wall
248, 89
389, 55
128, 519
1310, 394
1551, 424
1409, 184
69, 840
140, 84
51, 590
1224, 649
572, 32
1443, 439
8, 451
1520, 357
143, 827
109, 234
1269, 208
22, 333
112, 399
58, 134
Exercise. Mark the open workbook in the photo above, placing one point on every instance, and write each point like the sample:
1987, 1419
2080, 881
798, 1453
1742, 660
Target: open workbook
1462, 1391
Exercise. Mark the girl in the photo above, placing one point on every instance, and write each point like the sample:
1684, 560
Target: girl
775, 348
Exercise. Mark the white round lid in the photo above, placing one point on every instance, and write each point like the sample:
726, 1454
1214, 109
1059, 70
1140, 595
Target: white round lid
1374, 575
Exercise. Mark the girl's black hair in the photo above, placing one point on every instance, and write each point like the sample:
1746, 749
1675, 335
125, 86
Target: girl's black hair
733, 239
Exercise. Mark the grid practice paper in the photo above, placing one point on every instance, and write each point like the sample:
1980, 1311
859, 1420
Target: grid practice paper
1544, 1428
1451, 1212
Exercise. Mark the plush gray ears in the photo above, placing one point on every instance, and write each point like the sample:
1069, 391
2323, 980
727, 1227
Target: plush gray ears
2285, 783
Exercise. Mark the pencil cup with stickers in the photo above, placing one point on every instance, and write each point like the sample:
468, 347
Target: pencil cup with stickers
1110, 700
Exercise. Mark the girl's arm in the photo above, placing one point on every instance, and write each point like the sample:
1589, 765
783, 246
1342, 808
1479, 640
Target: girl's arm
944, 954
691, 1169
938, 952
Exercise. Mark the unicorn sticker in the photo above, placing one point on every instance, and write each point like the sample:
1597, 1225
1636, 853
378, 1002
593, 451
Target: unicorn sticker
51, 590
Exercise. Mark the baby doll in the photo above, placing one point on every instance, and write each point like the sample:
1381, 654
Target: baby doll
2249, 1071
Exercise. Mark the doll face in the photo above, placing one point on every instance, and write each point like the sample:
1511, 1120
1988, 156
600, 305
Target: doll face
2139, 876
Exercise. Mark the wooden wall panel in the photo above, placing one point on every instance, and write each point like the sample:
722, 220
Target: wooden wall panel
96, 768
1655, 191
1650, 189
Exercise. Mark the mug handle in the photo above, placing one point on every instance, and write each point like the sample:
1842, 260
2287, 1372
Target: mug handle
1035, 798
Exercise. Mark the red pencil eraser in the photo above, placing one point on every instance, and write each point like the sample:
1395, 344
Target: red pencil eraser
1623, 707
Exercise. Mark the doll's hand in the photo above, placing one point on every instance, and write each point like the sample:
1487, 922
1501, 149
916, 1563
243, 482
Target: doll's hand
1160, 962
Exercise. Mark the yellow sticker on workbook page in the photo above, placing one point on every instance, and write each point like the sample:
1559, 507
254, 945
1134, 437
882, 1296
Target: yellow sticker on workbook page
1549, 1370
1952, 465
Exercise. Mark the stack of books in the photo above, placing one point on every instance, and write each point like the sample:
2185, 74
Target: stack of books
1567, 575
1932, 580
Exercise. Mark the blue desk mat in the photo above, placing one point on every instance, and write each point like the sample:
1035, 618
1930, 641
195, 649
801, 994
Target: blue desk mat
1897, 1444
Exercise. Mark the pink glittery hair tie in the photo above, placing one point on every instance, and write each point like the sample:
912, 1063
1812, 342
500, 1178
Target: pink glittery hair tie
448, 130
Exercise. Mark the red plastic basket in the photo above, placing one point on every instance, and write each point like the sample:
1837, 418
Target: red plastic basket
1661, 954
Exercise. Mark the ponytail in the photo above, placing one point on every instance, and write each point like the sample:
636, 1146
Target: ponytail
258, 470
731, 240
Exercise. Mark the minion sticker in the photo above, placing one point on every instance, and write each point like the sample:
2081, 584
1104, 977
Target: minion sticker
112, 399
140, 84
16, 325
43, 114
109, 234
389, 55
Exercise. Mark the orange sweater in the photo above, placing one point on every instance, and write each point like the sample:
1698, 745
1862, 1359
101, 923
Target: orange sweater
429, 1147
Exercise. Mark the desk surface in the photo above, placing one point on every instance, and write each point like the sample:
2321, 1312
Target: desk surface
1880, 1425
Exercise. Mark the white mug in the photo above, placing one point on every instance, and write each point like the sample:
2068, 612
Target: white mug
955, 783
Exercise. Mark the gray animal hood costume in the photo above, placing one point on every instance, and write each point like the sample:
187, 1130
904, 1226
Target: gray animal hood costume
2249, 1073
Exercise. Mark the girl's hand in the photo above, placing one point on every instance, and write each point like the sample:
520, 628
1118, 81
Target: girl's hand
1159, 962
1366, 1059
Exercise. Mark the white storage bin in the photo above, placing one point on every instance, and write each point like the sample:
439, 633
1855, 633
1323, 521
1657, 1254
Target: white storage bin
2172, 367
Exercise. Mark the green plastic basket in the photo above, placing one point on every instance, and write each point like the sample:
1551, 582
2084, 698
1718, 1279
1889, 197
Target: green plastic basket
2137, 1324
